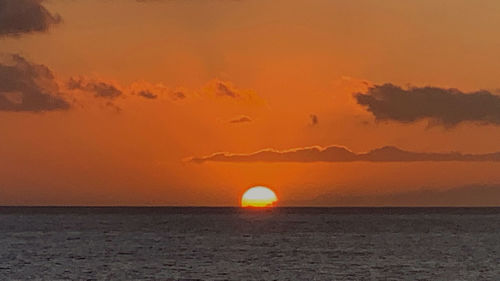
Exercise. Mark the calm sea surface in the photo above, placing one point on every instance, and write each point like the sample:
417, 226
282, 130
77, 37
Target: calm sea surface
236, 244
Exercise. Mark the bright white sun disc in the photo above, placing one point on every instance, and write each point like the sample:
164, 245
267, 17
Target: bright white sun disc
259, 196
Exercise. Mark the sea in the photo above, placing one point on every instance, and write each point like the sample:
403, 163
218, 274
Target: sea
203, 243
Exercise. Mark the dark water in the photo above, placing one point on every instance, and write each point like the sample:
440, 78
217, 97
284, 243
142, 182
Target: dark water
236, 244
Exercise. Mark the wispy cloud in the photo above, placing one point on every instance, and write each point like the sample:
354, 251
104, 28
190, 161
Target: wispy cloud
314, 119
147, 94
156, 91
241, 119
342, 154
227, 91
178, 95
100, 89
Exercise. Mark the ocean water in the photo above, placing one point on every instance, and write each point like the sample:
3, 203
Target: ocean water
238, 244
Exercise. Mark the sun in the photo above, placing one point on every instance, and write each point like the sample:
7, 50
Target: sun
259, 196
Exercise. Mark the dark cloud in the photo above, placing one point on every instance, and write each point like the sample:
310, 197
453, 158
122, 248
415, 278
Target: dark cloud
474, 195
226, 91
314, 119
100, 89
113, 106
28, 87
242, 119
25, 16
178, 95
447, 107
342, 154
223, 89
147, 94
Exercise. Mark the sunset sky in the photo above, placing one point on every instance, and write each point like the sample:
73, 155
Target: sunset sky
152, 102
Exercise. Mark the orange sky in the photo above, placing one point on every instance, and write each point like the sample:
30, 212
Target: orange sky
149, 84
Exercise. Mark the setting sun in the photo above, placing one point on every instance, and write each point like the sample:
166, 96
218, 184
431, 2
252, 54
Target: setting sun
259, 196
